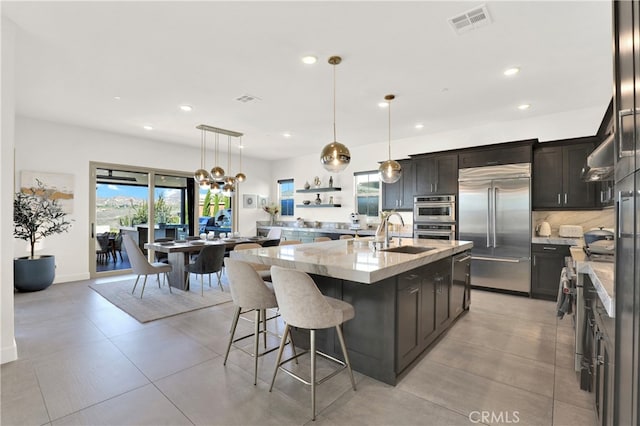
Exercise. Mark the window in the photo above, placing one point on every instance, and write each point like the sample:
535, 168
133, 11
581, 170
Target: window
285, 197
367, 190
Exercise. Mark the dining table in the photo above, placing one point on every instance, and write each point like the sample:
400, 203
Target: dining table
179, 253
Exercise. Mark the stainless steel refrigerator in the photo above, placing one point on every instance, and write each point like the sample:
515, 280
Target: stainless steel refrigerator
495, 213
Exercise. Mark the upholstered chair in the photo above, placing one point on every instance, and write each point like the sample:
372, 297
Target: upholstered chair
141, 266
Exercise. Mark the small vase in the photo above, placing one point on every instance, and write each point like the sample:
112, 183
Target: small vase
318, 200
306, 185
272, 222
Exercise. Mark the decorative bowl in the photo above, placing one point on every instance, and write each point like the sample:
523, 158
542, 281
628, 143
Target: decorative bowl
306, 202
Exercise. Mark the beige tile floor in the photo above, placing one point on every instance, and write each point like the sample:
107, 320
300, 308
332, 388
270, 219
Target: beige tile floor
85, 362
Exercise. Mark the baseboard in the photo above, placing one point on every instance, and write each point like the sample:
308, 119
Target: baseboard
71, 277
9, 354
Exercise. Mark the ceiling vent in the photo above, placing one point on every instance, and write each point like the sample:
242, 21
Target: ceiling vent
470, 20
247, 98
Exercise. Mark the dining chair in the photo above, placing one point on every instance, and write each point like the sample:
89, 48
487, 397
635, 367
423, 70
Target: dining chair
320, 239
302, 305
271, 243
290, 242
141, 266
274, 233
209, 261
117, 245
346, 237
104, 249
264, 271
162, 257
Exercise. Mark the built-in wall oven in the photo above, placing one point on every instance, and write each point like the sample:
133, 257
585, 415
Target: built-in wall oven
434, 208
435, 231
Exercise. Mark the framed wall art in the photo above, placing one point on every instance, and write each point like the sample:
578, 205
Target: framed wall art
249, 201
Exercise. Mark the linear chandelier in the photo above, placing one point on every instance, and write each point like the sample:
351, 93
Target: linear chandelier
210, 180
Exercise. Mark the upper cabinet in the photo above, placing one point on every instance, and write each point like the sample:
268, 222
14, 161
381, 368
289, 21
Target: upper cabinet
399, 195
494, 155
436, 174
557, 180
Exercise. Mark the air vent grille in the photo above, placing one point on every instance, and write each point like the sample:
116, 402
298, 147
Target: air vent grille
471, 19
247, 98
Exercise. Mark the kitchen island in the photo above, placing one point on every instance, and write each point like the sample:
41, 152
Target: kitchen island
403, 299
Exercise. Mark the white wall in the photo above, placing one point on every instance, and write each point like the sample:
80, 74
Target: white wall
54, 147
8, 349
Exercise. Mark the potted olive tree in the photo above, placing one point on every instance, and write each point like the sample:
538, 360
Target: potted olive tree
36, 215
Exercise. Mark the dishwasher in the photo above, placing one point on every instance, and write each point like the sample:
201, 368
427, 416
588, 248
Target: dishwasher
461, 289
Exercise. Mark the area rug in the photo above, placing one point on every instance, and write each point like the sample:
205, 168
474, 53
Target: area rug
157, 303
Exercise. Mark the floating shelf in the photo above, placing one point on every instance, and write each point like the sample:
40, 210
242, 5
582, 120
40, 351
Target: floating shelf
317, 205
331, 189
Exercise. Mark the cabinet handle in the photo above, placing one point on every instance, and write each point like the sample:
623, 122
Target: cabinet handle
430, 187
549, 248
558, 198
414, 290
534, 260
411, 277
565, 198
600, 360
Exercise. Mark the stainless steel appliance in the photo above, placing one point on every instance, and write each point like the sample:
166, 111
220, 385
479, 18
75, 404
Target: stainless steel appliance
435, 231
434, 208
461, 288
495, 213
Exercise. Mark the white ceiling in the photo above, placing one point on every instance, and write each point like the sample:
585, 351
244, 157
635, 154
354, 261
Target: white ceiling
74, 57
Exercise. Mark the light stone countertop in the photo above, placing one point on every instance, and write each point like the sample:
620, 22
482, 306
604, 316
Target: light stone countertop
602, 277
353, 260
563, 241
333, 230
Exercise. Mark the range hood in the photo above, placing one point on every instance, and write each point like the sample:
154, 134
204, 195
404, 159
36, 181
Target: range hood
600, 162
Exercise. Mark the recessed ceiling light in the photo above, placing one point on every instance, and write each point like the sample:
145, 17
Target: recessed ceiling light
524, 106
511, 71
147, 127
383, 104
419, 126
117, 98
186, 108
286, 134
309, 60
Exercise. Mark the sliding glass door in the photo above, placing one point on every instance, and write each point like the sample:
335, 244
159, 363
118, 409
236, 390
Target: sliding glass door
144, 203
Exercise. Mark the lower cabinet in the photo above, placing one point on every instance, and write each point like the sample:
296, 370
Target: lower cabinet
546, 266
422, 309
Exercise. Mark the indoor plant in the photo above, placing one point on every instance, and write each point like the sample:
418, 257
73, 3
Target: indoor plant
36, 215
273, 211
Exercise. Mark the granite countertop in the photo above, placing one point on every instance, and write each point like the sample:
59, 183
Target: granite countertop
601, 275
353, 260
555, 239
333, 230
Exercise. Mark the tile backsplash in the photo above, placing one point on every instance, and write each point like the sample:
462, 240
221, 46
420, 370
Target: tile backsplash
587, 219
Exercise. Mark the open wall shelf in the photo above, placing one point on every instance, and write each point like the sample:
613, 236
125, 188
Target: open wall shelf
330, 189
317, 205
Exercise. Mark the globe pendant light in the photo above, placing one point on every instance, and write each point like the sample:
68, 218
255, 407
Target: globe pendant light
228, 189
217, 171
241, 177
390, 170
335, 157
201, 176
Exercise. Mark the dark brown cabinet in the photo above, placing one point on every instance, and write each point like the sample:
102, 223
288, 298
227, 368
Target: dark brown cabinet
557, 180
547, 263
422, 309
511, 153
399, 195
437, 174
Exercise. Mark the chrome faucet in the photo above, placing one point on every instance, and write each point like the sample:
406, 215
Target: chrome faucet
384, 226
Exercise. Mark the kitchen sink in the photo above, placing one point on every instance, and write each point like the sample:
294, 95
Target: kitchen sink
409, 249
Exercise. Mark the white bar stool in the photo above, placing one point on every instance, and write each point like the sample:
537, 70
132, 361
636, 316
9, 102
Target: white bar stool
302, 305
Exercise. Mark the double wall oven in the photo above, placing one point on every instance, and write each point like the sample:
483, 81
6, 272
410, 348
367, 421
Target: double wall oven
434, 217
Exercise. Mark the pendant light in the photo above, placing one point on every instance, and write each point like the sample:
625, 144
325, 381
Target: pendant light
240, 177
217, 171
228, 189
335, 157
390, 170
201, 176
